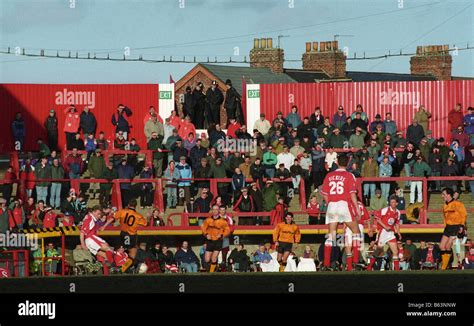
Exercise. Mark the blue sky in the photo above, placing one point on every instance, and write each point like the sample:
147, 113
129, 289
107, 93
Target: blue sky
157, 28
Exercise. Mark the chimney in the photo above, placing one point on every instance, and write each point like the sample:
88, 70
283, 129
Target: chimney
328, 58
264, 55
432, 60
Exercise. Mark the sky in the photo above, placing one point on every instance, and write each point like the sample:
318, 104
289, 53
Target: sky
218, 28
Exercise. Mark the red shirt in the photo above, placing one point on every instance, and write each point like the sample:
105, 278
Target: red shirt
389, 217
49, 220
185, 129
429, 256
89, 226
232, 129
71, 124
175, 122
68, 220
455, 118
338, 185
364, 213
16, 218
120, 258
313, 209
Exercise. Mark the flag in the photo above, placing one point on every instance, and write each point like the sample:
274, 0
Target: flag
171, 80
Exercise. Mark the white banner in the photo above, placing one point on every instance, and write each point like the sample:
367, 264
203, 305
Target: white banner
165, 100
253, 105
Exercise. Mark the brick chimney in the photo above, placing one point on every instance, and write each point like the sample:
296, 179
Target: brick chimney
327, 58
432, 60
265, 55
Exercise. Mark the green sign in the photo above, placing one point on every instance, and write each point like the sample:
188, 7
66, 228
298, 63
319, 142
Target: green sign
253, 93
165, 95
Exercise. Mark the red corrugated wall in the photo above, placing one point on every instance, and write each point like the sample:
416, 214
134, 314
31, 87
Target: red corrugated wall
35, 100
439, 97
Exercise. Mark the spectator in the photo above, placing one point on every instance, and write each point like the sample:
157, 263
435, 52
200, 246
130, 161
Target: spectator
269, 194
233, 127
420, 170
407, 160
218, 171
280, 120
435, 163
90, 145
232, 102
373, 149
153, 125
57, 172
262, 125
336, 140
156, 218
105, 188
17, 216
245, 203
470, 173
385, 171
198, 109
455, 118
347, 128
125, 173
87, 122
305, 129
27, 172
186, 128
245, 167
257, 197
146, 189
390, 125
415, 132
296, 173
51, 126
286, 158
369, 169
339, 118
77, 142
102, 143
401, 203
376, 122
422, 116
293, 118
196, 154
430, 256
73, 165
270, 160
175, 120
186, 258
18, 131
262, 255
360, 110
71, 126
239, 259
469, 259
120, 121
155, 144
10, 178
358, 121
5, 216
172, 175
189, 143
458, 153
216, 135
150, 114
36, 215
404, 257
460, 136
314, 214
317, 166
411, 248
357, 140
316, 118
185, 172
469, 124
331, 159
42, 171
238, 182
214, 98
52, 262
167, 130
450, 169
377, 202
188, 102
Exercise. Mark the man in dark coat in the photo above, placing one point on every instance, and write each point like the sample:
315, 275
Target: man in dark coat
232, 103
188, 103
18, 130
199, 108
415, 133
119, 120
51, 126
88, 122
215, 98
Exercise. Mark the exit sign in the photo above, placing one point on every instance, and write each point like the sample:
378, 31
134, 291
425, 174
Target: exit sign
253, 93
165, 95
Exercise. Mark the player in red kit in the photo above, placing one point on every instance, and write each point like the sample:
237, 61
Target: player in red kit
90, 241
388, 220
340, 192
357, 241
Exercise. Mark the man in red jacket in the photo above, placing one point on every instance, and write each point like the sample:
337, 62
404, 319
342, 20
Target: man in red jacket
455, 118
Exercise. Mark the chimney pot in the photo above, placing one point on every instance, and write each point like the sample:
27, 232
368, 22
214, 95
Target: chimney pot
270, 42
308, 46
264, 43
256, 43
315, 46
334, 45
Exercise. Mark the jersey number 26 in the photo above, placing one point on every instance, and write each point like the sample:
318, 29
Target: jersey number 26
336, 187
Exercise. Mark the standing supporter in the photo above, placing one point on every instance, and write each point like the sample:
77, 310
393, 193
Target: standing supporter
422, 116
71, 126
455, 118
120, 121
214, 98
88, 122
51, 126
